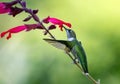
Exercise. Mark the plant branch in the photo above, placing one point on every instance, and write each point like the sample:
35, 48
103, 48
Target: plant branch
92, 79
36, 18
87, 75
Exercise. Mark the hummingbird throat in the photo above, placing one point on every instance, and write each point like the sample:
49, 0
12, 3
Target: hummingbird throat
71, 39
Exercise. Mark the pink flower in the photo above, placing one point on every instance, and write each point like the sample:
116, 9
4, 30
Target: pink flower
56, 21
26, 27
3, 8
18, 29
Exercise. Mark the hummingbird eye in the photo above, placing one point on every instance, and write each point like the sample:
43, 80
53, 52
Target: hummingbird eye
69, 30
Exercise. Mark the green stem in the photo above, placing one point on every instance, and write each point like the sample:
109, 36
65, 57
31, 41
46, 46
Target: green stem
92, 79
34, 16
77, 64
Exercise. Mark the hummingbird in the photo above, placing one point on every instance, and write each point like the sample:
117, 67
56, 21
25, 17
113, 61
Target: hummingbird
71, 45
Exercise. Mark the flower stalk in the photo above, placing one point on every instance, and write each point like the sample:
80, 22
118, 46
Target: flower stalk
38, 25
35, 17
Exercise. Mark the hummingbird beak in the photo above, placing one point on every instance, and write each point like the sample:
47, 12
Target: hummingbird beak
65, 28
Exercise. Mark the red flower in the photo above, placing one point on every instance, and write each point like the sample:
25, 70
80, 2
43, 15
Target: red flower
3, 8
56, 21
26, 27
18, 29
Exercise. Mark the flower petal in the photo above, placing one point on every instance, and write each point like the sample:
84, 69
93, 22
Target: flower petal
2, 34
3, 8
13, 30
17, 29
9, 36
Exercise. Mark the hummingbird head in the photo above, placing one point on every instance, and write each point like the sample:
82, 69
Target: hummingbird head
70, 34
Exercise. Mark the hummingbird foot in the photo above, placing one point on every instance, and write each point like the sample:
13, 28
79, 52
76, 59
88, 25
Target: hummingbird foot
86, 74
75, 61
98, 82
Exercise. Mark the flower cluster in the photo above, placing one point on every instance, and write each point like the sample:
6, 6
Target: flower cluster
11, 8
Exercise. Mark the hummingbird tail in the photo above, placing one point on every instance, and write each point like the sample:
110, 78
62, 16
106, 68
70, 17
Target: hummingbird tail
85, 69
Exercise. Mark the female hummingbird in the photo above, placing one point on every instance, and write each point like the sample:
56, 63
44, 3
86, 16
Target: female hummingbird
71, 45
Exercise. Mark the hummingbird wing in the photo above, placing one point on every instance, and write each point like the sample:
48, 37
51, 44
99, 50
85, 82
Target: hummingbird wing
75, 48
61, 44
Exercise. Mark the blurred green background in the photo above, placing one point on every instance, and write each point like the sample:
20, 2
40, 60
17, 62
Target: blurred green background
27, 59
